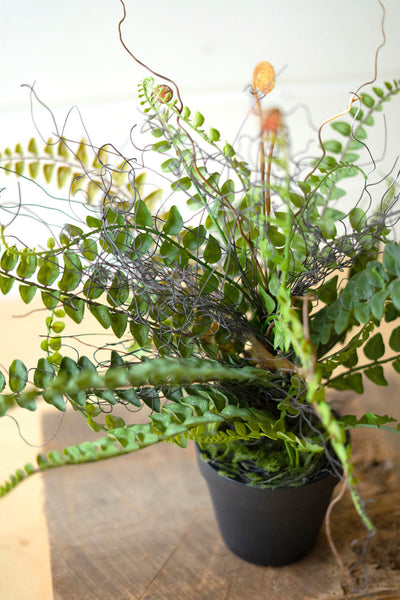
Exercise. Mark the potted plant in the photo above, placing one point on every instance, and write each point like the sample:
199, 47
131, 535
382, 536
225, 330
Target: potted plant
228, 324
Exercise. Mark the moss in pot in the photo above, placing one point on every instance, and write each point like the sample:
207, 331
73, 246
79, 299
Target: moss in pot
230, 326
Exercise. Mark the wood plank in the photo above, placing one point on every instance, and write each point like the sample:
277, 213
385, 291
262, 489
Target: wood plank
141, 527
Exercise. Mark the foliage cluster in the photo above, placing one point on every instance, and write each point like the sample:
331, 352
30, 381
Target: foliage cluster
229, 325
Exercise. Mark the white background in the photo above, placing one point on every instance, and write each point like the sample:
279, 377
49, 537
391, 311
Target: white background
321, 51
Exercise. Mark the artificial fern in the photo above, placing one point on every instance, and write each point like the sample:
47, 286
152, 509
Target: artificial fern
227, 325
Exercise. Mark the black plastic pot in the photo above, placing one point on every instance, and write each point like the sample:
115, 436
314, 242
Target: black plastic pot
272, 527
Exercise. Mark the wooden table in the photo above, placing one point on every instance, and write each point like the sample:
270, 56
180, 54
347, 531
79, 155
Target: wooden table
141, 527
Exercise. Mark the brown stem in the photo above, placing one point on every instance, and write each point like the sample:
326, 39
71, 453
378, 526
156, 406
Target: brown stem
355, 95
139, 62
329, 532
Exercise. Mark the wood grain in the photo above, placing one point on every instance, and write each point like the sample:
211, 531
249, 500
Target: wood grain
141, 527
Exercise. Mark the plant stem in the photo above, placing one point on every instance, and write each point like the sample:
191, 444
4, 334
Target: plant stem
363, 367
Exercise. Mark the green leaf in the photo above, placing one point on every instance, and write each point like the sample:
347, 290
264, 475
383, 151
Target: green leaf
140, 332
394, 289
118, 323
32, 147
74, 308
214, 135
304, 186
368, 418
296, 199
379, 92
58, 326
394, 340
114, 422
276, 237
228, 150
19, 167
49, 270
354, 145
362, 312
360, 133
26, 400
44, 373
27, 264
352, 360
86, 365
348, 382
162, 146
341, 127
130, 396
118, 292
34, 169
367, 100
184, 183
89, 251
50, 299
9, 258
55, 343
350, 157
212, 251
198, 120
362, 286
357, 218
48, 171
172, 165
18, 376
391, 258
208, 283
391, 313
157, 132
347, 297
174, 222
337, 193
377, 303
143, 215
82, 154
27, 292
6, 283
142, 243
168, 251
54, 398
194, 237
69, 366
375, 347
376, 375
93, 222
72, 274
342, 321
2, 383
327, 293
333, 146
63, 174
102, 314
185, 112
62, 149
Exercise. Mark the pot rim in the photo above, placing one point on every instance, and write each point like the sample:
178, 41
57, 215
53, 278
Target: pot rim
320, 475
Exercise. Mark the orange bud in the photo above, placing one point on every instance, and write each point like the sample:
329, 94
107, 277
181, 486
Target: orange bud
264, 77
163, 92
271, 120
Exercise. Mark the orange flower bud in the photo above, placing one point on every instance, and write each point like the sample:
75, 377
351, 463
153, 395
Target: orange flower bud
264, 77
163, 92
271, 120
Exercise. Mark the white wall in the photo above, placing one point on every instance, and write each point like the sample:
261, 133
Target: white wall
321, 49
71, 49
